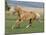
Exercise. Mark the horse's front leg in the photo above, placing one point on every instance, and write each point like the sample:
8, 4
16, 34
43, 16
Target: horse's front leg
18, 22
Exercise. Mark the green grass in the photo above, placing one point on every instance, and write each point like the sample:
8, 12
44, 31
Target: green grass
11, 21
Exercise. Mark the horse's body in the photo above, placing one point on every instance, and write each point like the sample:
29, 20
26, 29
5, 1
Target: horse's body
24, 15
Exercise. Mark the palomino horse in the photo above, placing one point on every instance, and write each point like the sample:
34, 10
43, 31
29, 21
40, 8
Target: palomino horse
23, 15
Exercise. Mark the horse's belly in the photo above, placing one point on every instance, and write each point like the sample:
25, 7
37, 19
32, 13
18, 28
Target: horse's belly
26, 16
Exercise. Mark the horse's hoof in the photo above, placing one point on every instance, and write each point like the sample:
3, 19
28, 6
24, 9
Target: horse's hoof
27, 26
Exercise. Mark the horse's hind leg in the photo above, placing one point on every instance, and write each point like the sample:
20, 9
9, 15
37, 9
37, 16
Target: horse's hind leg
30, 22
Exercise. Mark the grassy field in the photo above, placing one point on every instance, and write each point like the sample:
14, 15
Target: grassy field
11, 21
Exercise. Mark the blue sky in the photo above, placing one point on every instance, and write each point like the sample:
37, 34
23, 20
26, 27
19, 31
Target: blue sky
12, 0
24, 3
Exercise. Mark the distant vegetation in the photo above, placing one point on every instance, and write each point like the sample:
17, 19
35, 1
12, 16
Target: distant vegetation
6, 6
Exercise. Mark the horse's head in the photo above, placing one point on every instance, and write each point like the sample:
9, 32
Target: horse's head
17, 10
